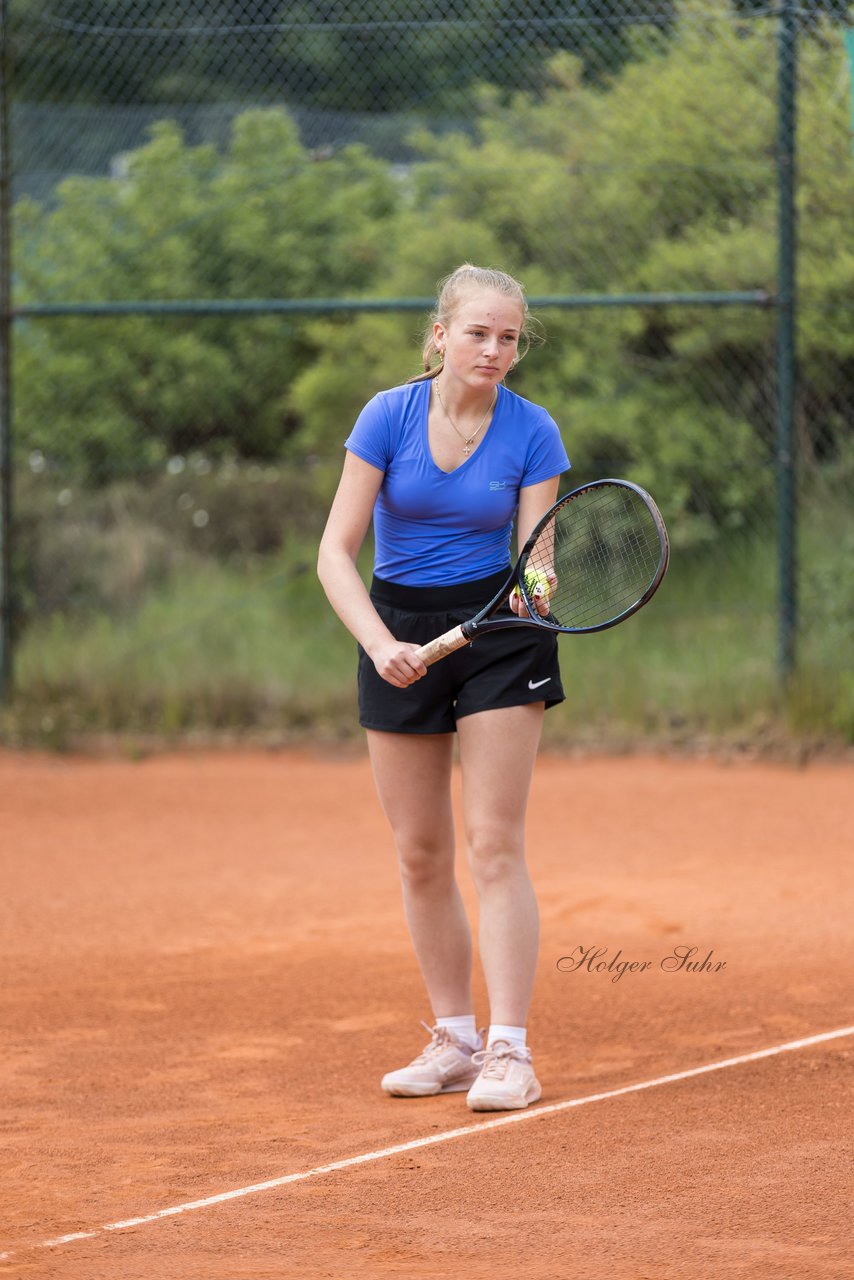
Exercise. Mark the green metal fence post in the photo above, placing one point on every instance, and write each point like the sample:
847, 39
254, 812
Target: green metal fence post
5, 364
786, 337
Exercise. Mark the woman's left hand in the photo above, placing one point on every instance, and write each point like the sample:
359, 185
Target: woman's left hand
517, 603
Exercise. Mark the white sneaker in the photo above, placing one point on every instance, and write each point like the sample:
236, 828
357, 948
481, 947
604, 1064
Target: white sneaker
445, 1065
506, 1081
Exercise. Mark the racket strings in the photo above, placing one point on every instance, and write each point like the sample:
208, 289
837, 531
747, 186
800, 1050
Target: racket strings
604, 550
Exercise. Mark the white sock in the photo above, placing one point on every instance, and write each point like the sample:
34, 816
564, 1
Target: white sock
516, 1035
463, 1028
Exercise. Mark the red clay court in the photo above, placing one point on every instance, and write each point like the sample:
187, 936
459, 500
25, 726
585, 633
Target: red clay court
206, 971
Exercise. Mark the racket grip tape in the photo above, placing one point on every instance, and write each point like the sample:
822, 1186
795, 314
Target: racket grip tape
442, 646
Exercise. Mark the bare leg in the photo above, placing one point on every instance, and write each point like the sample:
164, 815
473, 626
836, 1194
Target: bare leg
497, 753
413, 779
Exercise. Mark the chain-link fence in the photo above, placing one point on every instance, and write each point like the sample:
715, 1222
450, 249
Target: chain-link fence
229, 221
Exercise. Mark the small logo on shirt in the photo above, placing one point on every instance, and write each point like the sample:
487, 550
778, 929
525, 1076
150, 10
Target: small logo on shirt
535, 684
496, 485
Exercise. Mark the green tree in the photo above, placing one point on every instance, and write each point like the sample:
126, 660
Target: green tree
265, 218
664, 182
342, 54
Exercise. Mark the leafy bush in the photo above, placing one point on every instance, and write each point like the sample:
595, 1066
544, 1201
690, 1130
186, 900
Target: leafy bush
114, 397
637, 188
628, 185
105, 550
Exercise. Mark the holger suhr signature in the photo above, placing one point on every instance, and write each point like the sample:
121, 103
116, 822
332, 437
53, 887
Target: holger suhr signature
681, 959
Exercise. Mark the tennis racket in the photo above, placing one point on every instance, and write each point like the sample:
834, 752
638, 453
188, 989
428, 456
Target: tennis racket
597, 556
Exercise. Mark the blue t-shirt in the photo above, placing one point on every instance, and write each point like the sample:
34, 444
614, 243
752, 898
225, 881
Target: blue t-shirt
433, 527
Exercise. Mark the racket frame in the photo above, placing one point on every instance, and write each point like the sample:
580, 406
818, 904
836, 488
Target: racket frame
483, 621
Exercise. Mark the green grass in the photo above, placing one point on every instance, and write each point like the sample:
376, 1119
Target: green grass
257, 650
698, 659
216, 649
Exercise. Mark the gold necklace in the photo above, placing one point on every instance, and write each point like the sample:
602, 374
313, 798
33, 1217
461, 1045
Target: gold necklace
466, 440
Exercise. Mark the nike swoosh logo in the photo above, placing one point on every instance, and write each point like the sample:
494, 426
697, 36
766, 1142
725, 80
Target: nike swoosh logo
535, 685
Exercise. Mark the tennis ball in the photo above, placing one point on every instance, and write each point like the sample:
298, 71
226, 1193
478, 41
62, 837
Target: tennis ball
539, 587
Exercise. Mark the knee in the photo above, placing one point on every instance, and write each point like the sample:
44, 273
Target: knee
425, 863
496, 856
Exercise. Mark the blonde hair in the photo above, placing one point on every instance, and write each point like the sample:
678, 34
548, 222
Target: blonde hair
453, 290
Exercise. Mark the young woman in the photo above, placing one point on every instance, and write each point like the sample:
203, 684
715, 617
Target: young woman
443, 465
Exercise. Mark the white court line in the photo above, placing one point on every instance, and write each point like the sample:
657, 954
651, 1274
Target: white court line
516, 1117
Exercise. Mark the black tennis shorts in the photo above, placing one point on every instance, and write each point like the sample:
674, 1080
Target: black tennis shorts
500, 669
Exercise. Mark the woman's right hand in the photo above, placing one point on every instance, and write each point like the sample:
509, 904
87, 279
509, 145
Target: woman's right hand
396, 662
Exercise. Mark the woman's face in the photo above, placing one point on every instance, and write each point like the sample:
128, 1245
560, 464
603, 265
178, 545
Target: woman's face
481, 341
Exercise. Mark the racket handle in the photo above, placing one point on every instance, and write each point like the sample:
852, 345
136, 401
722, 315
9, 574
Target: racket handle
442, 646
